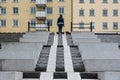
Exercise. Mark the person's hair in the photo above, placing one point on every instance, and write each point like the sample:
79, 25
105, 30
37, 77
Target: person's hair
61, 15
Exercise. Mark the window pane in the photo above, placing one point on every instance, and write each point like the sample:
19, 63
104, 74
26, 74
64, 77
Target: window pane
49, 10
81, 1
33, 0
3, 10
49, 0
32, 22
61, 10
115, 12
105, 1
105, 25
115, 25
81, 12
3, 23
50, 22
15, 10
115, 1
15, 23
15, 0
32, 10
91, 1
91, 12
105, 13
81, 25
61, 0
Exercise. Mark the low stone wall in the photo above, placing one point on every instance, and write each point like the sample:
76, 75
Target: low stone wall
10, 37
107, 37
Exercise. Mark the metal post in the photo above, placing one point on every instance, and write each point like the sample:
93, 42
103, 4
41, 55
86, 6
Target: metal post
48, 26
90, 26
71, 27
28, 26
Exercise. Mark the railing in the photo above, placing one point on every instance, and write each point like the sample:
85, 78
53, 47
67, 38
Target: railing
89, 24
38, 26
40, 1
41, 14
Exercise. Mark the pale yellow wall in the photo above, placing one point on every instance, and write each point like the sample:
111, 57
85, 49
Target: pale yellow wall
67, 15
98, 6
24, 15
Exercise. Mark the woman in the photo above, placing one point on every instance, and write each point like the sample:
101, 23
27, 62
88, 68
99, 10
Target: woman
60, 23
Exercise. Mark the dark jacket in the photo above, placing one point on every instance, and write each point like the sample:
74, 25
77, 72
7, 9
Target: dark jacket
60, 22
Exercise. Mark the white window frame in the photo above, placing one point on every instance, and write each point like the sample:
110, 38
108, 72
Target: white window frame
61, 10
3, 23
15, 23
16, 12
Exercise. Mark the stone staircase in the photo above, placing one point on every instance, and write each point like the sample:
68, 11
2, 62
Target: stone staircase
69, 56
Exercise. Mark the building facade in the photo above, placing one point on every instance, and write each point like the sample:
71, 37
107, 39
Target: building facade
15, 14
105, 15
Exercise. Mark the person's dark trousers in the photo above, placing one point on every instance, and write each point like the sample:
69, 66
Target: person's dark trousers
60, 29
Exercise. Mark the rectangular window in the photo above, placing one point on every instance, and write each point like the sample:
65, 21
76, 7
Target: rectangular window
32, 0
15, 23
91, 1
3, 23
115, 1
3, 1
61, 0
81, 25
33, 10
105, 1
15, 10
32, 22
49, 10
81, 1
61, 10
115, 12
105, 25
49, 0
15, 1
81, 12
105, 12
50, 22
2, 10
115, 25
92, 13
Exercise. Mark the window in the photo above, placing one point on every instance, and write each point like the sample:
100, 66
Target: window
50, 22
93, 25
32, 22
105, 12
2, 10
81, 25
61, 10
15, 23
115, 12
15, 10
81, 1
115, 1
91, 1
61, 0
32, 10
81, 12
92, 13
3, 23
105, 1
15, 1
105, 25
32, 0
115, 25
49, 0
49, 10
3, 1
